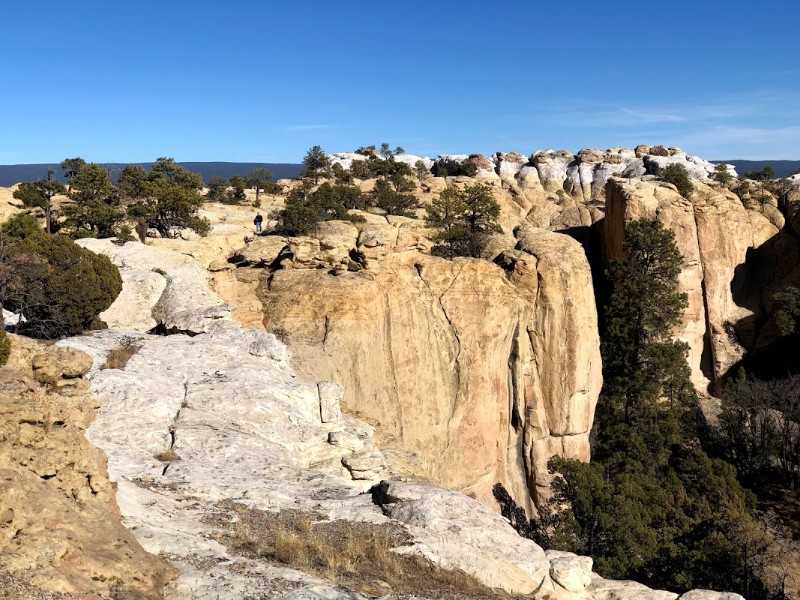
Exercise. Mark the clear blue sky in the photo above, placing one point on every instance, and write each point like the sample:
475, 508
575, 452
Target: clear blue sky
116, 81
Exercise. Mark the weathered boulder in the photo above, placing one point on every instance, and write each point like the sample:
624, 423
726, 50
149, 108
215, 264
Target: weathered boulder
552, 169
509, 164
330, 397
261, 251
570, 571
458, 532
710, 595
160, 287
188, 304
696, 167
336, 238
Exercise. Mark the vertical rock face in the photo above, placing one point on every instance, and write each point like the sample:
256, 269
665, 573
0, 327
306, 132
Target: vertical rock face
714, 232
626, 202
726, 233
477, 373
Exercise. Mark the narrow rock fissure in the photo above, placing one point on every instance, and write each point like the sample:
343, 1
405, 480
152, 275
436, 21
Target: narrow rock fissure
707, 354
174, 427
387, 326
454, 332
327, 330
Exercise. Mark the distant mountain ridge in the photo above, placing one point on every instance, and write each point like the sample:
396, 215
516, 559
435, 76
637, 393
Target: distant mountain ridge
783, 168
11, 174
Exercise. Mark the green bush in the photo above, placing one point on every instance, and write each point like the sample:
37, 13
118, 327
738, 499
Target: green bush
659, 151
19, 227
391, 200
304, 208
676, 175
5, 347
166, 198
463, 219
58, 287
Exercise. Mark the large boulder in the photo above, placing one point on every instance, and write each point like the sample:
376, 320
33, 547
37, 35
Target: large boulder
460, 533
160, 287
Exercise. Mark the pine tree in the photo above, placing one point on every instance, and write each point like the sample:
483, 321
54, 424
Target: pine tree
653, 506
316, 161
464, 217
641, 361
40, 195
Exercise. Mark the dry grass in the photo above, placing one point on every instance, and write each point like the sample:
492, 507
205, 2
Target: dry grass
119, 356
355, 555
167, 456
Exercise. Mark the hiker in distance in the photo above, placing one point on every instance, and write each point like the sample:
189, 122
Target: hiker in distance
257, 222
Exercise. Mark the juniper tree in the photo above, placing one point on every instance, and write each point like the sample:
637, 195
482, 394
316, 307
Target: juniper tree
464, 217
168, 197
40, 194
677, 175
71, 167
96, 209
258, 180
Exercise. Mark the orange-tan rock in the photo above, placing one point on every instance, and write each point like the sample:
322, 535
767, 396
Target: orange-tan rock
60, 527
480, 371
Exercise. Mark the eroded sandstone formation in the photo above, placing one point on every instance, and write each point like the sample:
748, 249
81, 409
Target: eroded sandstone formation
717, 236
482, 371
60, 527
198, 427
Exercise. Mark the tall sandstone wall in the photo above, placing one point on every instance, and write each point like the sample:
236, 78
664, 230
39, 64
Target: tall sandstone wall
716, 235
474, 372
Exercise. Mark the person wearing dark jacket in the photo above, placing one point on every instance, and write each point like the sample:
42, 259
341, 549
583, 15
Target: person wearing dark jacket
257, 222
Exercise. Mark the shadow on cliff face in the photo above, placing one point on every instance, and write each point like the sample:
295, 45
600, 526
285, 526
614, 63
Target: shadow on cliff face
768, 269
590, 237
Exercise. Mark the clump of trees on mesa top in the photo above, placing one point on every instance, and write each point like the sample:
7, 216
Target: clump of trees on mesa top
463, 217
165, 198
338, 196
58, 287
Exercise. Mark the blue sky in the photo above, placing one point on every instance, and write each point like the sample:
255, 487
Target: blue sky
263, 81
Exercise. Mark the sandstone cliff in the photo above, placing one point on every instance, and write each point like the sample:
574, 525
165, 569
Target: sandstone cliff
482, 371
726, 286
202, 430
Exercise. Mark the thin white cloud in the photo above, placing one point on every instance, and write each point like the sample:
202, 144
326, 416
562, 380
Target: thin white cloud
761, 143
746, 107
